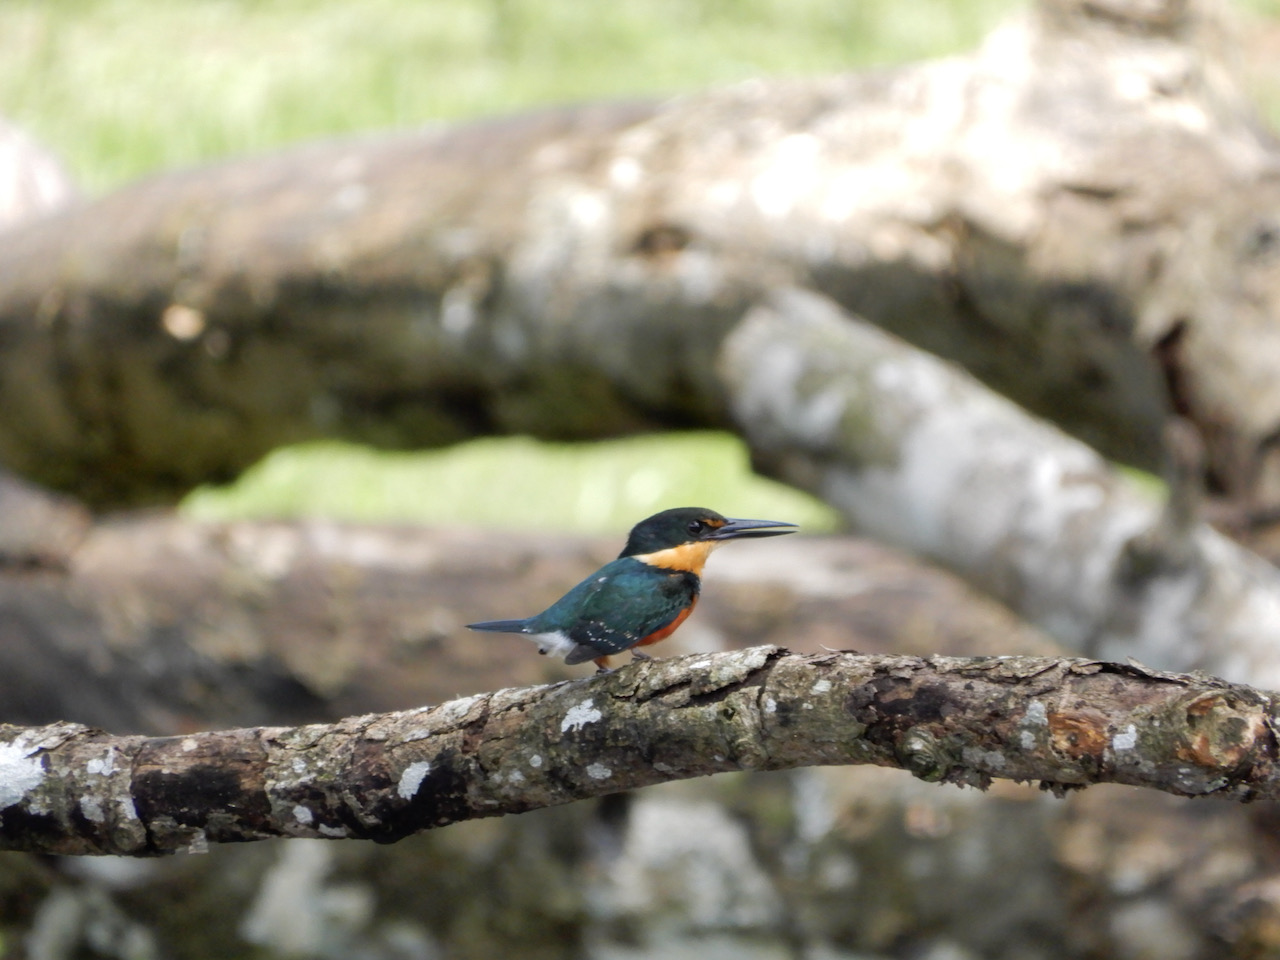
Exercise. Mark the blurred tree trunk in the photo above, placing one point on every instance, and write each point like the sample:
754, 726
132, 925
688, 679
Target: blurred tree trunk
1082, 213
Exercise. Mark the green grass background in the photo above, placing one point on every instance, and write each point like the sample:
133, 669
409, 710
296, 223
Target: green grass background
123, 88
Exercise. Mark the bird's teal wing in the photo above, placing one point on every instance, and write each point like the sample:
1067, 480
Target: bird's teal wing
619, 605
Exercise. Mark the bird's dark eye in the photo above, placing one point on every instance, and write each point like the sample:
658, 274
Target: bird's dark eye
696, 526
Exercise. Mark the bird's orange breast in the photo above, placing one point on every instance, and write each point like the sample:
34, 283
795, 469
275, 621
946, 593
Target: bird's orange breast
670, 628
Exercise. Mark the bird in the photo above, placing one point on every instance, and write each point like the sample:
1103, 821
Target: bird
643, 595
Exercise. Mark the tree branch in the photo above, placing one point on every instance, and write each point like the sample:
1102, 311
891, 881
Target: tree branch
73, 790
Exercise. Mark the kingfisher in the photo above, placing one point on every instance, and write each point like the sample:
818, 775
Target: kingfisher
641, 597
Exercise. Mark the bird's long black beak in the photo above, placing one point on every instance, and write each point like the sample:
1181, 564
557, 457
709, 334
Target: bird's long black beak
735, 529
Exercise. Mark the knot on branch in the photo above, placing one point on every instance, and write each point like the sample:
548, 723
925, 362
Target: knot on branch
925, 756
1222, 732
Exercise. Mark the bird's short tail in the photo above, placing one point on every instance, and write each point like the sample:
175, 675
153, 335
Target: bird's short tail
499, 626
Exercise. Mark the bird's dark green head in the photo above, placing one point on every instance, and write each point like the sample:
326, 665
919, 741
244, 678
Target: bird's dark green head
681, 525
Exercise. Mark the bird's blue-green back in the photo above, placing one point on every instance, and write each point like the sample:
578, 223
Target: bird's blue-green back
618, 605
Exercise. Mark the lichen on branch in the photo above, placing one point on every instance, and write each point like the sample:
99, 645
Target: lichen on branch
1065, 722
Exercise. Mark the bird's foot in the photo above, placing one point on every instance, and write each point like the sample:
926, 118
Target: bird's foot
637, 655
602, 670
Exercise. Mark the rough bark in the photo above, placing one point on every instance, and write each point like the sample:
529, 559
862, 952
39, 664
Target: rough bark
1067, 723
